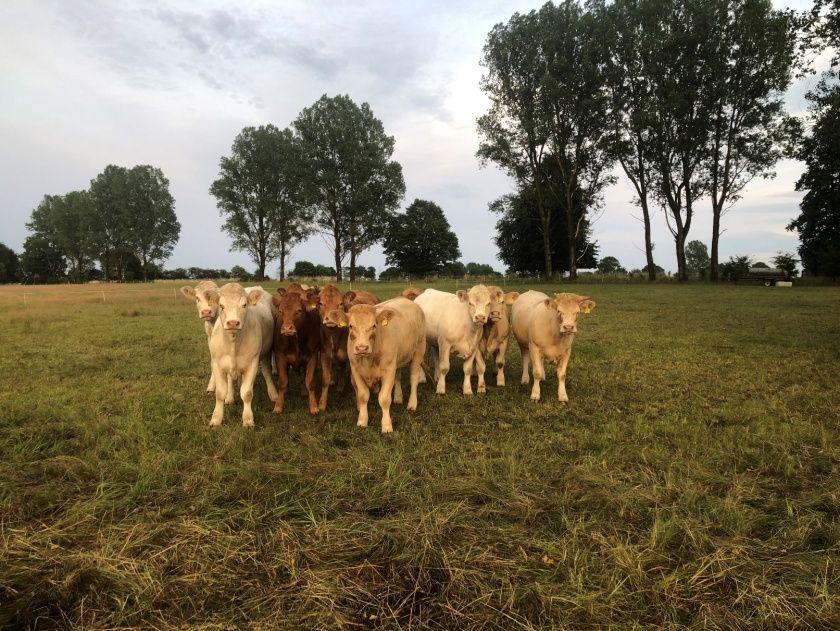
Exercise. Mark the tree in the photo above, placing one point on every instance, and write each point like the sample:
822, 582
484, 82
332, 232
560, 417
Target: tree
629, 88
519, 223
324, 270
480, 269
68, 224
370, 273
391, 273
697, 258
259, 193
610, 265
152, 227
303, 269
41, 260
9, 265
420, 241
351, 181
818, 223
240, 273
750, 130
110, 195
736, 267
786, 262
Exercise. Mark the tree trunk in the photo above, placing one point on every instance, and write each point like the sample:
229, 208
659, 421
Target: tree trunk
282, 261
571, 238
337, 256
714, 270
648, 245
682, 270
352, 264
546, 241
145, 269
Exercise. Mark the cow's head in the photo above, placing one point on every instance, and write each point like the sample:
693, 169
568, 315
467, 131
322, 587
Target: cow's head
364, 322
500, 299
330, 300
568, 308
233, 304
200, 294
479, 300
291, 307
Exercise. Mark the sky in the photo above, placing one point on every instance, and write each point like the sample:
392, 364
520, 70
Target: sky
84, 84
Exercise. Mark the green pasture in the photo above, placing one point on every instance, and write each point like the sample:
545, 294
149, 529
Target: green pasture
693, 482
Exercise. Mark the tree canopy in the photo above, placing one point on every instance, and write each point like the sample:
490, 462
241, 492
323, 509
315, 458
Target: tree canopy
420, 241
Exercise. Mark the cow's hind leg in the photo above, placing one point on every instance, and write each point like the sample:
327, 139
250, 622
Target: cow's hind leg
398, 393
309, 383
442, 366
525, 364
537, 370
500, 363
265, 369
416, 373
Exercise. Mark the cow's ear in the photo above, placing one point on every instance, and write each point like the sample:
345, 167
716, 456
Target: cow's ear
212, 297
338, 316
349, 296
497, 296
188, 291
510, 297
463, 296
383, 316
549, 303
281, 291
410, 292
586, 304
254, 297
311, 299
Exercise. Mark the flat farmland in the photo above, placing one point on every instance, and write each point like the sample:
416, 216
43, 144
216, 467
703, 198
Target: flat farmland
691, 483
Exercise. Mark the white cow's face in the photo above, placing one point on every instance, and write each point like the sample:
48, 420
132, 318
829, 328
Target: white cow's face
233, 306
568, 307
201, 295
479, 301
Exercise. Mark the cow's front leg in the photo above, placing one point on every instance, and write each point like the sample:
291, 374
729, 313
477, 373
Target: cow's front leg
480, 368
219, 410
326, 376
282, 381
385, 400
211, 385
537, 370
500, 363
309, 381
442, 367
468, 370
229, 397
246, 392
265, 369
562, 363
362, 396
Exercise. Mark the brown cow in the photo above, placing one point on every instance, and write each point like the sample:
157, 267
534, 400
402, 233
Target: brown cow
332, 304
382, 339
296, 342
411, 292
494, 340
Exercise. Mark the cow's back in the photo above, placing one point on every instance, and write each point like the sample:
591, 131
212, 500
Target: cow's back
445, 315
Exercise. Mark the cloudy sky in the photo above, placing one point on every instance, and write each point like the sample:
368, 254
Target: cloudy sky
87, 83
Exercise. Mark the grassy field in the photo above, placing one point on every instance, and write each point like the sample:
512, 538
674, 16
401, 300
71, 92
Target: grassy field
692, 483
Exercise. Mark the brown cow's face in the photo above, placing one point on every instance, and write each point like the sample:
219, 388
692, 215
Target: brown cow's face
201, 295
329, 300
479, 300
568, 308
364, 322
233, 305
498, 302
291, 308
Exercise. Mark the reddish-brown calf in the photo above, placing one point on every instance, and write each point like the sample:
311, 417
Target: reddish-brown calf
297, 341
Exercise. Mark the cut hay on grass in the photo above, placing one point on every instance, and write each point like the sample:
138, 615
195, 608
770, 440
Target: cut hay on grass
692, 482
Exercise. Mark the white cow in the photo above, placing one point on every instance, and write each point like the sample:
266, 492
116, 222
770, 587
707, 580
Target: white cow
545, 329
241, 343
455, 322
206, 311
494, 340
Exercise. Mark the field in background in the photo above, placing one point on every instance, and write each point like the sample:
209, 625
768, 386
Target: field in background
691, 483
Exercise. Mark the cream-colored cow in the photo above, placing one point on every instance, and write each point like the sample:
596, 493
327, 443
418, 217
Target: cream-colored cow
455, 323
494, 340
241, 344
383, 338
545, 329
207, 312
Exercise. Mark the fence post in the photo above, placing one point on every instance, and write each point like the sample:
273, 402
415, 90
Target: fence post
103, 296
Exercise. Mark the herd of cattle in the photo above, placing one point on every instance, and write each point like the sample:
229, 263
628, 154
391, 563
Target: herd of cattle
245, 327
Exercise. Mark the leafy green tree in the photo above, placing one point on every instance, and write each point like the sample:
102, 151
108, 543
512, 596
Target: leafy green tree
303, 269
68, 223
370, 273
240, 273
786, 262
152, 227
110, 193
42, 261
391, 273
761, 264
351, 181
736, 267
420, 240
324, 270
697, 258
260, 194
818, 223
454, 269
657, 271
610, 265
9, 265
481, 269
518, 223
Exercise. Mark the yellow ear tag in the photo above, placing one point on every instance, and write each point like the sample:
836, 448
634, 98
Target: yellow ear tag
342, 323
312, 305
384, 322
587, 309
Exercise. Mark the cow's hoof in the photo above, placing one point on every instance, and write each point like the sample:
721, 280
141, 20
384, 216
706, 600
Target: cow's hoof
482, 389
247, 423
215, 423
535, 399
278, 409
362, 424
